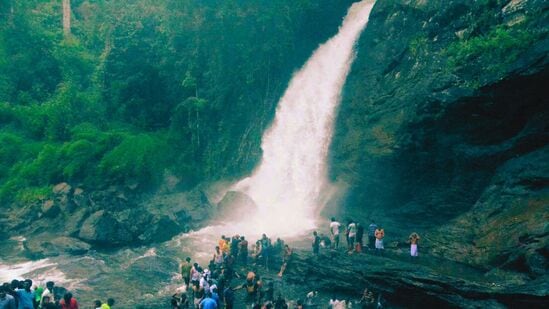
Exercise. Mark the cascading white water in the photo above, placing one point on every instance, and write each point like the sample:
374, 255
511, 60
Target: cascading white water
288, 185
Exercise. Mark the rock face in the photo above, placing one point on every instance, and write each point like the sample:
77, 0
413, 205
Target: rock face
443, 128
112, 218
427, 283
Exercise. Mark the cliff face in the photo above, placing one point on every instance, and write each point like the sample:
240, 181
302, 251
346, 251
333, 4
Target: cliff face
443, 128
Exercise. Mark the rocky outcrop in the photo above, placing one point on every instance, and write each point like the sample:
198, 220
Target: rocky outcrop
426, 283
443, 129
114, 217
45, 245
507, 228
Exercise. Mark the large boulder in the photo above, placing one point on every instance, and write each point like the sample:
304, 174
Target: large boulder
235, 206
103, 228
46, 245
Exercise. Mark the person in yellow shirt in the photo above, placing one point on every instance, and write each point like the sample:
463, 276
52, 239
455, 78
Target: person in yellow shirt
108, 304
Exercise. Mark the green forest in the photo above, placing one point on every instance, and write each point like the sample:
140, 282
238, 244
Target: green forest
142, 88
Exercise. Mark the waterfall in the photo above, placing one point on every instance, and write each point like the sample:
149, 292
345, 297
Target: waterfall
288, 185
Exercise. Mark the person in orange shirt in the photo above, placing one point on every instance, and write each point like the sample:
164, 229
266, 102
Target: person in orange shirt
380, 233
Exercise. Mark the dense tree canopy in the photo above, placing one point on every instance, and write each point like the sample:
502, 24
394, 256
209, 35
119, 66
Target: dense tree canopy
143, 88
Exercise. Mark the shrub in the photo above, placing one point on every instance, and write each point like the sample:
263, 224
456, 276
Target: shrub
137, 159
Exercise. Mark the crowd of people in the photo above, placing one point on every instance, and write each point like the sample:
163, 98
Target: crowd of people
233, 267
215, 285
24, 295
354, 235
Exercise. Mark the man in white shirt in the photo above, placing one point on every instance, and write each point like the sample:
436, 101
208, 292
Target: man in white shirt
334, 230
352, 233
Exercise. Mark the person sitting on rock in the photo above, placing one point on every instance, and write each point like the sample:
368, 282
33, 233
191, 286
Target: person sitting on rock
413, 239
380, 234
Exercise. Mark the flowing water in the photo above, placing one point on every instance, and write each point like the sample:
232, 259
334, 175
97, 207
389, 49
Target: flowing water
289, 185
288, 188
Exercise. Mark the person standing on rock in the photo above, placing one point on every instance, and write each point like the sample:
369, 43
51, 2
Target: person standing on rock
334, 230
285, 259
48, 292
316, 243
413, 239
186, 270
218, 257
380, 234
243, 252
352, 234
372, 235
359, 236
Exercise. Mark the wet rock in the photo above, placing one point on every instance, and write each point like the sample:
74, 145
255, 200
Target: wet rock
50, 209
235, 206
47, 245
75, 221
507, 227
102, 228
427, 283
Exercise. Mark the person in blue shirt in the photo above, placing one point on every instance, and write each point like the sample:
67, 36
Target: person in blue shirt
6, 300
208, 303
215, 296
25, 296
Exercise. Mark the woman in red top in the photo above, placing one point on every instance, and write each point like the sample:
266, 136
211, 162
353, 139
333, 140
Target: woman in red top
68, 302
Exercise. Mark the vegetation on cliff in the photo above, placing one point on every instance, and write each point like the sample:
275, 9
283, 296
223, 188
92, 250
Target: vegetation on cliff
133, 90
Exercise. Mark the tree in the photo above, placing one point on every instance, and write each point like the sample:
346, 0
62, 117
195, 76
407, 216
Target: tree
67, 17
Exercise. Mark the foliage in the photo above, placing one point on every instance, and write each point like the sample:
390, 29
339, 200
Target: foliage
500, 46
144, 86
